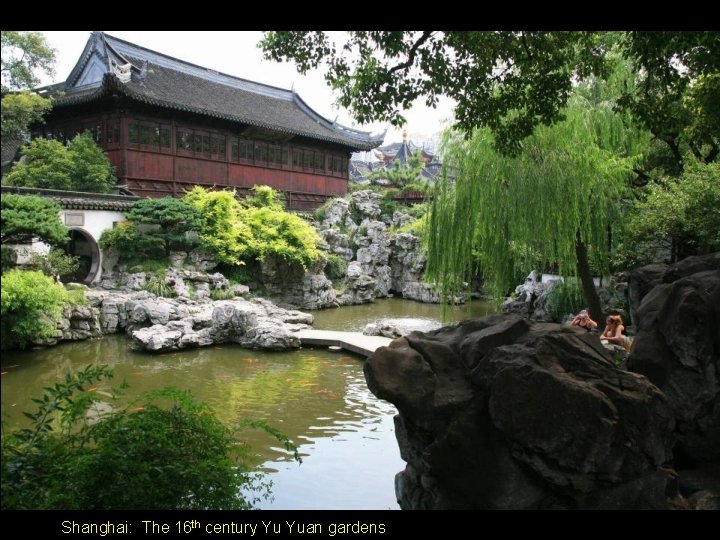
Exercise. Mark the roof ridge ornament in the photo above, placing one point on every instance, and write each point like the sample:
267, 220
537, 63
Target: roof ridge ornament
122, 72
143, 71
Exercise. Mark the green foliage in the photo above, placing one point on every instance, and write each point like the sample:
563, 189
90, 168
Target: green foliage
143, 250
154, 265
419, 228
281, 234
19, 110
121, 237
8, 258
31, 304
76, 297
417, 210
80, 166
158, 286
92, 170
23, 53
677, 85
320, 213
49, 165
264, 197
239, 274
233, 231
55, 264
564, 298
163, 452
679, 215
174, 217
388, 206
568, 185
24, 217
513, 82
336, 267
224, 231
355, 212
222, 294
401, 174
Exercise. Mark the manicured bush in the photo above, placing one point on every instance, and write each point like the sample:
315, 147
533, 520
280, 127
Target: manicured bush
25, 217
173, 217
235, 232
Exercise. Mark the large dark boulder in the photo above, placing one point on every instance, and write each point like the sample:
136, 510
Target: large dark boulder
677, 347
503, 413
642, 280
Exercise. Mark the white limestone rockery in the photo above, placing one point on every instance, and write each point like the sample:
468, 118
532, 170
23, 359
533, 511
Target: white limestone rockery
380, 264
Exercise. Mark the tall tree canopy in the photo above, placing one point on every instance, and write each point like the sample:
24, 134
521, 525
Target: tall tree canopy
81, 166
513, 82
552, 204
23, 55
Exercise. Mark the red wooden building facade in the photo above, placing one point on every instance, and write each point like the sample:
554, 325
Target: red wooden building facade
168, 125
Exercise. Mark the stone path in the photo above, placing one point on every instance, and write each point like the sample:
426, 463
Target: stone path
356, 342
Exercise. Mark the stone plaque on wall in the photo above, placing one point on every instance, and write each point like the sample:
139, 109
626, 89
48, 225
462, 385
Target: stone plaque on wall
75, 218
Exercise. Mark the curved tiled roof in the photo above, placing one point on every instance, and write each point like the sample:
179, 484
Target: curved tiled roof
78, 200
167, 82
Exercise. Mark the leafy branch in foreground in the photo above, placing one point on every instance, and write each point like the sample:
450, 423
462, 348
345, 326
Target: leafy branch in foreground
163, 450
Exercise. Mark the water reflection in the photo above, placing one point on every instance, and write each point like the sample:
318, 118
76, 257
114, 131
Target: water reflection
318, 399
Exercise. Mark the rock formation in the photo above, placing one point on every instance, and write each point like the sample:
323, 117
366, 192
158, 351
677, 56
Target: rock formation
502, 413
677, 347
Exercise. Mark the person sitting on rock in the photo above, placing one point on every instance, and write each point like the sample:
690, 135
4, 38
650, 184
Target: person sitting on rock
613, 333
583, 320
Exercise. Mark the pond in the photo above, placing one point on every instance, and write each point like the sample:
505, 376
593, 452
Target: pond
318, 398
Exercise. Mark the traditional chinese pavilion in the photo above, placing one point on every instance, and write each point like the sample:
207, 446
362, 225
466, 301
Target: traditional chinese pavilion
167, 125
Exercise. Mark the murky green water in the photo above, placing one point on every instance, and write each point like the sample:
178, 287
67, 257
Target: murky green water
354, 318
319, 399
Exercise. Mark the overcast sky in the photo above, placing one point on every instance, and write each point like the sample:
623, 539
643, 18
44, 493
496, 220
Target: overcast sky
236, 53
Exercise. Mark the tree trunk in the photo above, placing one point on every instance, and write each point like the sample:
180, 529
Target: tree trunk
588, 287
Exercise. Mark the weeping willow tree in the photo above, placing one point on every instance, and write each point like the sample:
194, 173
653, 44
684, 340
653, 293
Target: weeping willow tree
553, 204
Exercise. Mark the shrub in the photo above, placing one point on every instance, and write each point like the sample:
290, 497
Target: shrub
8, 257
388, 206
336, 267
233, 231
265, 197
31, 304
81, 165
163, 451
417, 228
121, 236
158, 287
174, 218
239, 274
222, 294
134, 247
76, 297
56, 263
564, 298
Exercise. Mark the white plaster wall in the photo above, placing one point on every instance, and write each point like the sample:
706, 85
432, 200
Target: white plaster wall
96, 221
25, 251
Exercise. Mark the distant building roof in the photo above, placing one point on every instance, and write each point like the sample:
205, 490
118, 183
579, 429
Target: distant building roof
109, 65
78, 200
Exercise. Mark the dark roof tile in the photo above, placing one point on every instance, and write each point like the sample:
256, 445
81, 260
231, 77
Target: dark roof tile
171, 83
